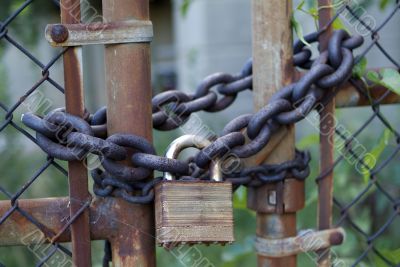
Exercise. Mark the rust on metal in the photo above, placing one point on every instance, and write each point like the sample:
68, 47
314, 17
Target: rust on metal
53, 215
260, 157
77, 172
349, 96
327, 131
127, 79
272, 54
130, 31
336, 238
308, 241
58, 33
256, 200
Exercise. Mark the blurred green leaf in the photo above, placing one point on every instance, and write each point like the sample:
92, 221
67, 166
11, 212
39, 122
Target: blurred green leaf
391, 255
312, 198
383, 4
389, 78
373, 76
308, 141
360, 68
299, 30
376, 153
300, 6
239, 252
185, 7
339, 25
311, 9
240, 198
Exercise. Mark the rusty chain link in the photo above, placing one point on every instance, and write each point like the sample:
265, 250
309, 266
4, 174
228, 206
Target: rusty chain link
172, 108
68, 137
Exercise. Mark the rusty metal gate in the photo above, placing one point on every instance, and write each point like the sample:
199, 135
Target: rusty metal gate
287, 82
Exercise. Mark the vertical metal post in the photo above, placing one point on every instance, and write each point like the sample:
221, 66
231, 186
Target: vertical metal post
77, 172
272, 69
327, 131
129, 111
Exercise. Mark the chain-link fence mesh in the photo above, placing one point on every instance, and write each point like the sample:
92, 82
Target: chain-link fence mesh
366, 189
15, 34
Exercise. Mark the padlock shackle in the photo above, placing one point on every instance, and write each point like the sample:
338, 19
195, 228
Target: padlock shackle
186, 141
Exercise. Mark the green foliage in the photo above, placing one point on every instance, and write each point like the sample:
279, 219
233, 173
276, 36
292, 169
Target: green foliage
360, 68
388, 78
383, 4
21, 27
240, 199
296, 26
20, 158
3, 80
185, 7
241, 253
311, 8
308, 141
371, 158
298, 30
339, 25
392, 255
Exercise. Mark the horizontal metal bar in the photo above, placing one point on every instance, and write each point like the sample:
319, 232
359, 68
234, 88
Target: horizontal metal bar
53, 215
349, 96
133, 31
308, 241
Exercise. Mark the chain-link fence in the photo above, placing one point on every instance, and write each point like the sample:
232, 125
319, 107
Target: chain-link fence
366, 185
15, 34
366, 189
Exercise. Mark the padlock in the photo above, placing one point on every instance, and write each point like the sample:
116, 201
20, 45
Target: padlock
193, 212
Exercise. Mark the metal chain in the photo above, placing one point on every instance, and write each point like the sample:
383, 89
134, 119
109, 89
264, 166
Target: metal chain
172, 108
288, 106
68, 137
255, 176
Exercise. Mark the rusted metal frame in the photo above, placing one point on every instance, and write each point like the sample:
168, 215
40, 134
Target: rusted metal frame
129, 111
327, 131
133, 31
305, 242
272, 69
349, 94
77, 172
71, 220
53, 214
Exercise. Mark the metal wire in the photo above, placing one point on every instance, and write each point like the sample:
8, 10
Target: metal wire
9, 122
347, 210
376, 189
68, 137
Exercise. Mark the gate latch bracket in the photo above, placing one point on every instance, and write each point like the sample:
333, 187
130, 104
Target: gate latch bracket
306, 241
131, 31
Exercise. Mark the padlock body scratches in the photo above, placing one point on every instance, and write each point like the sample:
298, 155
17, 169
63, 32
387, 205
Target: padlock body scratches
193, 212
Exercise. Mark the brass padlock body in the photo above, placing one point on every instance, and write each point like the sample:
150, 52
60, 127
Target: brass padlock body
191, 212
